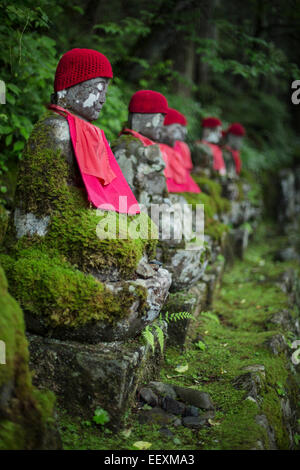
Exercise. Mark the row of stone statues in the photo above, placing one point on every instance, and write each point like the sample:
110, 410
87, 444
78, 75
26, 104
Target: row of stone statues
77, 288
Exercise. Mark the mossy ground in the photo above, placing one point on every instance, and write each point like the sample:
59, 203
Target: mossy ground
233, 333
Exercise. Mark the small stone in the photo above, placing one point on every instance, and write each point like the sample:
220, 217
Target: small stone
177, 422
166, 432
276, 344
148, 396
193, 422
194, 397
173, 406
191, 411
155, 416
251, 382
208, 415
163, 389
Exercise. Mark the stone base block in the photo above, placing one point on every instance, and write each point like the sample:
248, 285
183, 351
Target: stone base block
212, 279
192, 301
85, 376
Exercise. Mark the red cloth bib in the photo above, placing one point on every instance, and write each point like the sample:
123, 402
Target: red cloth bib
105, 184
236, 157
178, 163
219, 164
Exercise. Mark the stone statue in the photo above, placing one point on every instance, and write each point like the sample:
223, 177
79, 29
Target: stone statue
207, 155
81, 254
174, 133
233, 142
66, 169
147, 167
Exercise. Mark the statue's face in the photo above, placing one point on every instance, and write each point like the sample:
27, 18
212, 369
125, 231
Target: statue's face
235, 141
85, 99
172, 133
212, 134
149, 125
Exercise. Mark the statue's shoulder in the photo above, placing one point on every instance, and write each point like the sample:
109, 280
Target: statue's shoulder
203, 147
51, 131
126, 142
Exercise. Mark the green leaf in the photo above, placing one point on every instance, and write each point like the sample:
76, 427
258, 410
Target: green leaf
101, 416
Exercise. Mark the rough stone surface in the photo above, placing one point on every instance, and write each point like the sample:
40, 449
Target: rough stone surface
263, 421
85, 377
163, 389
157, 290
156, 416
277, 344
251, 382
173, 406
148, 396
193, 422
194, 397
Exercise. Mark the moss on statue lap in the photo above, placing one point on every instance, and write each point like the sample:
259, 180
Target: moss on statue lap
45, 189
47, 285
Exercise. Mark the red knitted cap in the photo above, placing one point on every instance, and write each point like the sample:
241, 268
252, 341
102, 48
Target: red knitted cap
78, 65
175, 117
236, 129
148, 101
211, 122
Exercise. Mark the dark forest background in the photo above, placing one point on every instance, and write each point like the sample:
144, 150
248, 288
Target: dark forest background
234, 59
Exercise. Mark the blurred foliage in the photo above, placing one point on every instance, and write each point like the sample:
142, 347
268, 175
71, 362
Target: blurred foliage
231, 59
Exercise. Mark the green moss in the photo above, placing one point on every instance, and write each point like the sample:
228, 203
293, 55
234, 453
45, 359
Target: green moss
44, 188
26, 415
213, 206
3, 223
48, 285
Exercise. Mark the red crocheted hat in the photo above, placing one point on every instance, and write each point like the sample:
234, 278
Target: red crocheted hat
211, 122
175, 117
236, 129
78, 65
148, 101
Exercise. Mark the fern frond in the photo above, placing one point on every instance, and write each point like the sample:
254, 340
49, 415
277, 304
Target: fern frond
149, 338
160, 337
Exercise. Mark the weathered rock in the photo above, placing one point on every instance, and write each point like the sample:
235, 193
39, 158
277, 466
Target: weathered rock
285, 320
194, 397
263, 421
86, 376
277, 344
193, 422
148, 396
191, 411
166, 432
163, 389
155, 416
251, 382
173, 406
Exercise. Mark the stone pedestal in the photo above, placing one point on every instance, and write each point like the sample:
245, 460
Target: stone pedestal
85, 376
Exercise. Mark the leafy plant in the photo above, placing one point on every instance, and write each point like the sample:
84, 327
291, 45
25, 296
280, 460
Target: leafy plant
101, 416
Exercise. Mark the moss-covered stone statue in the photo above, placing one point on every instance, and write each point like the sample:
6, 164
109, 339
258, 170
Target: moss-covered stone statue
207, 155
26, 415
79, 252
148, 167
